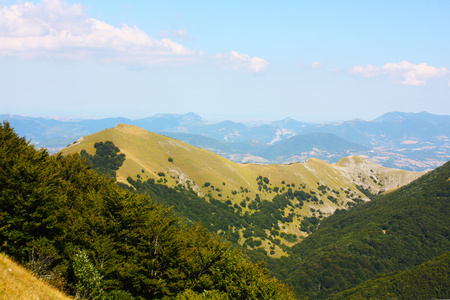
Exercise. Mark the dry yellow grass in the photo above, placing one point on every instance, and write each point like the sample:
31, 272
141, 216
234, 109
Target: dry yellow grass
20, 284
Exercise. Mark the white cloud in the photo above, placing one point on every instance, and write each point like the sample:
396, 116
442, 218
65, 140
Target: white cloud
53, 28
238, 61
316, 65
56, 29
409, 73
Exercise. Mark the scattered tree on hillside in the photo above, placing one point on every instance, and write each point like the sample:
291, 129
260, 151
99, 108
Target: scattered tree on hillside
106, 159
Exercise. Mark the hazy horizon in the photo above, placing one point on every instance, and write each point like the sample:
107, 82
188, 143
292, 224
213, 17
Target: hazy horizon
208, 118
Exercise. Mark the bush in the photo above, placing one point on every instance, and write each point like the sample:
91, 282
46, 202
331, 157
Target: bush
89, 281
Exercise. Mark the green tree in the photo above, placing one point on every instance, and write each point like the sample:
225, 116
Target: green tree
106, 159
133, 247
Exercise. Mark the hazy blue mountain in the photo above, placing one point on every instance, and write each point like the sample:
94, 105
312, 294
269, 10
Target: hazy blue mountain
291, 124
400, 116
390, 129
234, 151
227, 131
203, 142
411, 141
325, 146
48, 133
170, 123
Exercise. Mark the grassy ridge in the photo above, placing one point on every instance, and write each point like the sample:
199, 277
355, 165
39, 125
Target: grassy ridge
166, 160
150, 152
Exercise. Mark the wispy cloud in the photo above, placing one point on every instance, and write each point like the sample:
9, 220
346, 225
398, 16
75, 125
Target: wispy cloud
177, 34
237, 61
403, 72
55, 29
316, 65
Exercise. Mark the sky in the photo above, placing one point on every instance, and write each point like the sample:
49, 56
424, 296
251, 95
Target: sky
312, 61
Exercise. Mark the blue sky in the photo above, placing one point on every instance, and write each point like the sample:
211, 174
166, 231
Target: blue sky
241, 60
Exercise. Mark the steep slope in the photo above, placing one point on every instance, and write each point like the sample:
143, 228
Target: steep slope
371, 176
77, 228
20, 284
313, 189
394, 232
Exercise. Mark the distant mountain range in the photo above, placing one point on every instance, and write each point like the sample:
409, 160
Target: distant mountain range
410, 141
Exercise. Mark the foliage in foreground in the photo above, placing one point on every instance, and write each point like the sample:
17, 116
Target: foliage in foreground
64, 221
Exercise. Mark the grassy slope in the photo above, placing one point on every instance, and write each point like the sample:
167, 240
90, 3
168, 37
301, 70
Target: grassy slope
371, 175
18, 283
147, 154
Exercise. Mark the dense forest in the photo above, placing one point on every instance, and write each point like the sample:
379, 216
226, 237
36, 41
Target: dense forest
83, 233
394, 232
429, 280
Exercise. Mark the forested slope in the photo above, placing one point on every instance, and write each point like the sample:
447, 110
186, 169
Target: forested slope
83, 233
430, 280
393, 232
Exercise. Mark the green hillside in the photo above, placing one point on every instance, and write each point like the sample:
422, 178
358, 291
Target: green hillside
394, 232
314, 189
82, 232
430, 280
